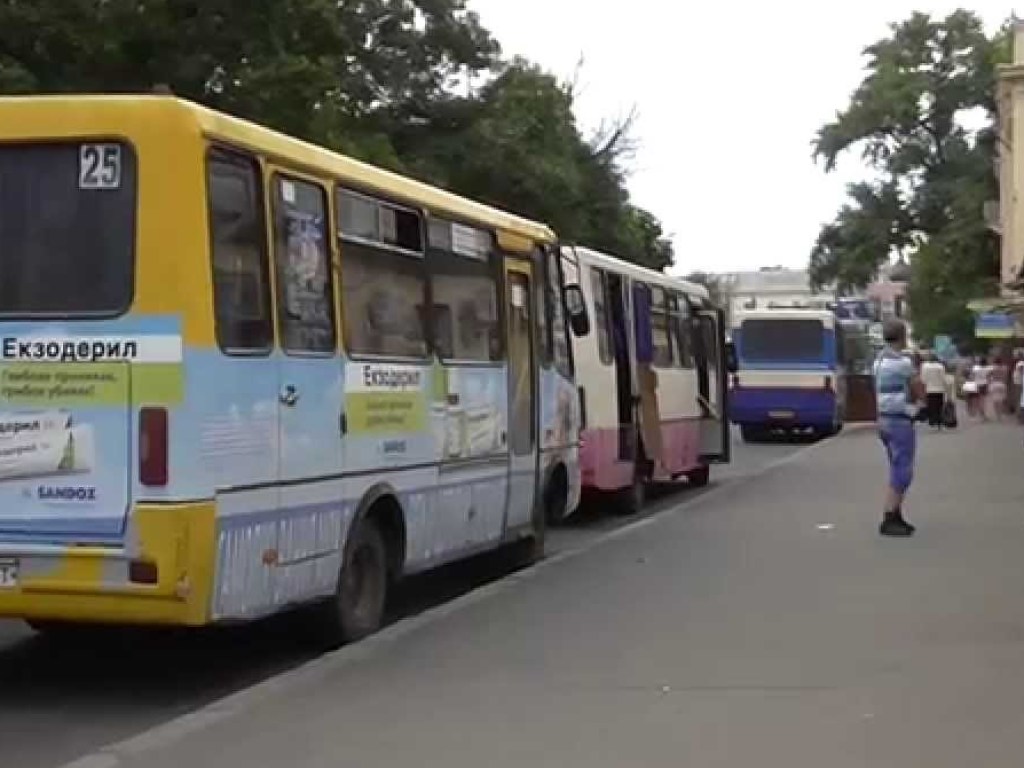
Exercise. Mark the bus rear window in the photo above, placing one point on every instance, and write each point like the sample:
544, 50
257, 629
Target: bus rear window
772, 341
67, 229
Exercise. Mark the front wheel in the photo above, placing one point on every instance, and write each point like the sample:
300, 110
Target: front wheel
357, 608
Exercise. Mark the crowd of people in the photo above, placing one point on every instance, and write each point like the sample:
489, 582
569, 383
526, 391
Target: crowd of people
993, 387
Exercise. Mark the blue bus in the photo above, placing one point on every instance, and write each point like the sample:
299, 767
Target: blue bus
791, 372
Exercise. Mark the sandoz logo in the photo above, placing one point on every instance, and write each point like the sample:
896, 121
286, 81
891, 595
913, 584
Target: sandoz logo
72, 493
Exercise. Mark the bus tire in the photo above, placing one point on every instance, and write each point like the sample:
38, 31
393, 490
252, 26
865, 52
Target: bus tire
556, 497
54, 629
751, 433
530, 549
357, 608
699, 477
630, 500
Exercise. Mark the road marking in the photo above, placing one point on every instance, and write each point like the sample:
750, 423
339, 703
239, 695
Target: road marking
234, 704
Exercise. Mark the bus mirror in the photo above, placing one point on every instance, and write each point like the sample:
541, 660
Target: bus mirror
731, 363
576, 308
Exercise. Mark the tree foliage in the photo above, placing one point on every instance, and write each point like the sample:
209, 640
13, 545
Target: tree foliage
417, 86
910, 120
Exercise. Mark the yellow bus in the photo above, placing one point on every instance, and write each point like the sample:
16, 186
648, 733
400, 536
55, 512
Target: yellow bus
240, 373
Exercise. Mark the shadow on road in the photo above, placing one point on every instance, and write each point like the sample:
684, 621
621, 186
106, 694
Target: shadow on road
113, 683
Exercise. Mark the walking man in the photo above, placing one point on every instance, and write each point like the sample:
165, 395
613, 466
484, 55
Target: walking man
898, 389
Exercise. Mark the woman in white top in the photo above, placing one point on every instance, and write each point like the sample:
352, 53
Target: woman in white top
981, 375
933, 376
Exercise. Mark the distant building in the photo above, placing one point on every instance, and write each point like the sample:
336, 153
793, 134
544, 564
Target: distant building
888, 294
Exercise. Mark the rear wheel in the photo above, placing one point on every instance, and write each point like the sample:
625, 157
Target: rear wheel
752, 434
630, 500
529, 550
699, 477
357, 608
556, 498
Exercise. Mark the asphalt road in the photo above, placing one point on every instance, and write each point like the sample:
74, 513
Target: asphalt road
57, 703
765, 624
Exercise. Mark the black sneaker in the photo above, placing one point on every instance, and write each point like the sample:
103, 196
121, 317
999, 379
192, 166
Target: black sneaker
894, 525
899, 516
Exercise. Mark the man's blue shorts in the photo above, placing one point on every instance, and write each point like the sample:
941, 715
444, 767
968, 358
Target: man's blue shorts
900, 441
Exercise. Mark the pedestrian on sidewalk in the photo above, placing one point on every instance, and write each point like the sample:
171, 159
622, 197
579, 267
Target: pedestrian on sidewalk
981, 376
933, 374
899, 392
998, 378
1017, 380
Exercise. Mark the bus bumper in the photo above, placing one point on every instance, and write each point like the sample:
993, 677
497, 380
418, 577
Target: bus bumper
782, 407
162, 574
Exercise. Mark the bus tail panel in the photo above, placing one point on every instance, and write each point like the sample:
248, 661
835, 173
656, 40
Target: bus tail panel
65, 446
163, 574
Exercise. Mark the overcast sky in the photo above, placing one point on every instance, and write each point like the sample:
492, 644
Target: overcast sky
729, 96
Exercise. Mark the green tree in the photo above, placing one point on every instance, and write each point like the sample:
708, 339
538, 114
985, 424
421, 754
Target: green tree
416, 86
332, 72
516, 145
932, 172
712, 282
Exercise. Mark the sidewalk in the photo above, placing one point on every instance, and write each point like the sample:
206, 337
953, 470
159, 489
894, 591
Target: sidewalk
766, 624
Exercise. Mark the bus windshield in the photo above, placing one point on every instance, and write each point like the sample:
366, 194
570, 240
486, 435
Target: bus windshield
782, 340
67, 224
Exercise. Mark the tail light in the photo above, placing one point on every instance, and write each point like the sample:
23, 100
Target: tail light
153, 429
828, 383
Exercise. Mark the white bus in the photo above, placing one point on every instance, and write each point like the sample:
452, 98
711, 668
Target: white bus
652, 378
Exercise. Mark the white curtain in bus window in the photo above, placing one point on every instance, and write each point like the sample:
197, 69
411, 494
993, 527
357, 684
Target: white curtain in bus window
305, 296
559, 326
465, 293
382, 277
681, 331
597, 287
520, 355
383, 299
241, 286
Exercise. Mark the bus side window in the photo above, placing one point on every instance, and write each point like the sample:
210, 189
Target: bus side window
662, 345
463, 266
383, 280
681, 330
601, 329
561, 348
305, 293
241, 288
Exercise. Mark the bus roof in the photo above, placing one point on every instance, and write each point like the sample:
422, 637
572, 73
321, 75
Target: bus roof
615, 264
168, 110
825, 315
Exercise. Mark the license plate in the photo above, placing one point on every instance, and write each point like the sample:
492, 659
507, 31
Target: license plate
781, 414
8, 574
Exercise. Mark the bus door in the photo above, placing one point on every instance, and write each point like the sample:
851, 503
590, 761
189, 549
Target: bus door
619, 311
308, 366
712, 384
522, 392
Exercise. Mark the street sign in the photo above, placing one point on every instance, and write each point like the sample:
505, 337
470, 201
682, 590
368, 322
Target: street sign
994, 326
